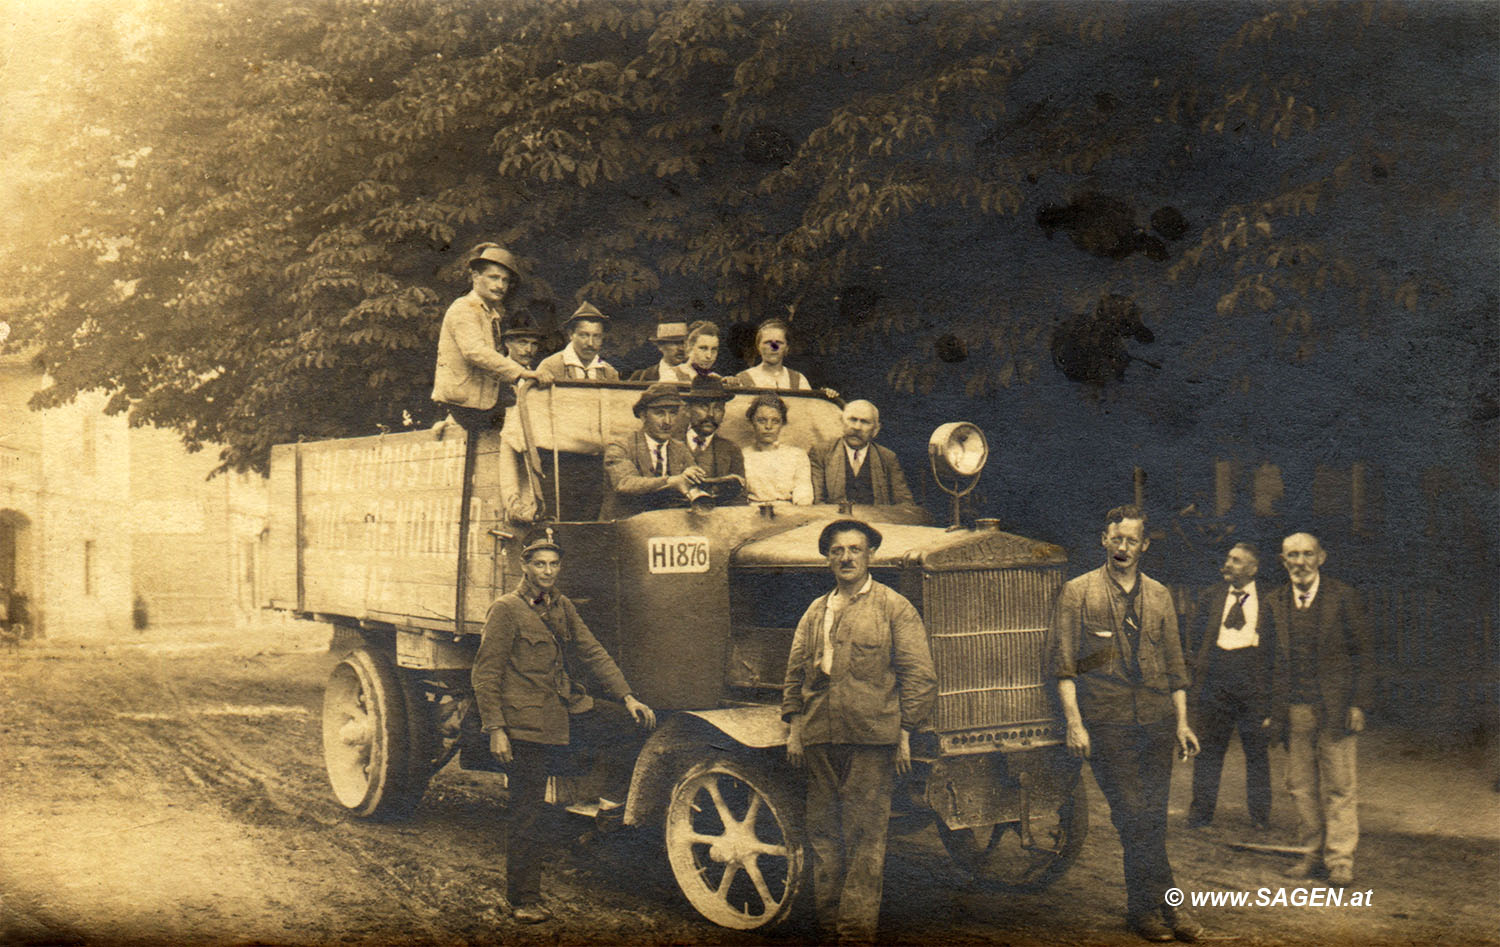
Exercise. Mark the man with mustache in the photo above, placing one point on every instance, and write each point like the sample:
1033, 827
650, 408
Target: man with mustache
1114, 650
854, 469
579, 359
717, 456
1321, 682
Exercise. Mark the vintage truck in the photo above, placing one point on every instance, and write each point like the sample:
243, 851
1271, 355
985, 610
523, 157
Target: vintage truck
398, 539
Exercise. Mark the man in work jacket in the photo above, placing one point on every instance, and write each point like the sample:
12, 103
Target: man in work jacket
530, 705
859, 680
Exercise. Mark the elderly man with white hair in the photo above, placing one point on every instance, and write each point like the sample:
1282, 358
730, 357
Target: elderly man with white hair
854, 469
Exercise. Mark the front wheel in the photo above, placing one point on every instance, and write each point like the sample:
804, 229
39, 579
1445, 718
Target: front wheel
998, 856
734, 840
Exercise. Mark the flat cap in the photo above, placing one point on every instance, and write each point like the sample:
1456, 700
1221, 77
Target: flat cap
543, 537
825, 538
660, 393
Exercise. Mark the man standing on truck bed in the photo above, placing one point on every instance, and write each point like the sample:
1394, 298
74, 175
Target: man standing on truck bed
531, 706
859, 680
1115, 653
470, 368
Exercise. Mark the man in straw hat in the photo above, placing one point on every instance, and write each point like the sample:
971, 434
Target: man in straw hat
669, 339
533, 708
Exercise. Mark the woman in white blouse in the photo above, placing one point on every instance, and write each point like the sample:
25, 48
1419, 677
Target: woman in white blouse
773, 473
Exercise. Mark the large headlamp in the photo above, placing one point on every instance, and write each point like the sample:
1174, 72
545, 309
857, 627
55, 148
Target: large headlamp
958, 451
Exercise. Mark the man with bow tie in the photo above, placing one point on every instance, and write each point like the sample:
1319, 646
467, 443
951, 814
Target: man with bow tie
716, 455
1322, 680
533, 707
1231, 662
652, 470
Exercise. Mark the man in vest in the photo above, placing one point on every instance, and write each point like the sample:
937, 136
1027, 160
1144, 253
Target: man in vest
1322, 680
716, 455
1114, 650
854, 469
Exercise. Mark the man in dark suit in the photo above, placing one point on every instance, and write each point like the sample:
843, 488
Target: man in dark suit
670, 339
1231, 664
717, 456
854, 469
652, 470
1321, 681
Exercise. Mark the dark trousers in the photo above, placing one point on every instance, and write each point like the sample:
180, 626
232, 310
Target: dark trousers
1133, 766
476, 420
848, 815
606, 731
1227, 705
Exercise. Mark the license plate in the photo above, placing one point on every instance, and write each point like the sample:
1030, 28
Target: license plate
669, 554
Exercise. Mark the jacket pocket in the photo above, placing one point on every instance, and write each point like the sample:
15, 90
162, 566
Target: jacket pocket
534, 654
868, 660
524, 713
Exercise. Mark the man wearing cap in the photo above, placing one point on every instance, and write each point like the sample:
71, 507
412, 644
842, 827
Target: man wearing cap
854, 469
859, 681
1322, 681
1114, 651
522, 340
670, 338
716, 456
470, 368
532, 707
652, 470
580, 359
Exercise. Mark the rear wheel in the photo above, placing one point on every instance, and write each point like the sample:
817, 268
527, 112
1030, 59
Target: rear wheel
734, 840
997, 856
372, 737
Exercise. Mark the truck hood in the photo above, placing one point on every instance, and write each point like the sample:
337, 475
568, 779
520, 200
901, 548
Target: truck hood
930, 547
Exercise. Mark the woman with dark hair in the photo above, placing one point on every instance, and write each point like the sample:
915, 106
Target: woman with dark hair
774, 473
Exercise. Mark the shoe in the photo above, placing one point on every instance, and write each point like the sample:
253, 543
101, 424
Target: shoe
1341, 875
1306, 867
1184, 926
531, 913
1150, 927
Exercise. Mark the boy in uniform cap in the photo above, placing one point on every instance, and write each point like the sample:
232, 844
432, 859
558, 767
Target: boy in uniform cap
580, 359
470, 367
652, 470
533, 708
859, 680
669, 338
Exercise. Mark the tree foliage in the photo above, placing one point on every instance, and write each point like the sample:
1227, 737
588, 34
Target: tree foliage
244, 219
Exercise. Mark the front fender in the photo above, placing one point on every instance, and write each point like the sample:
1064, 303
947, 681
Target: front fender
689, 737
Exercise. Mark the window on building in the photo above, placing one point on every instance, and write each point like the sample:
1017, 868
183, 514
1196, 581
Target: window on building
1268, 489
88, 567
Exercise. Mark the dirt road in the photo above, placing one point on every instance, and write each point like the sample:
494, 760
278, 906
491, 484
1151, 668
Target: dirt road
169, 788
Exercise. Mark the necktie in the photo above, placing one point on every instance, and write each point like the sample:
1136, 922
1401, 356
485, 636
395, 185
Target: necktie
496, 334
1236, 617
660, 466
698, 443
1302, 598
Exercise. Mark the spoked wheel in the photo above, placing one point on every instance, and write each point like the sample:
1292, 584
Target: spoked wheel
368, 742
997, 856
734, 840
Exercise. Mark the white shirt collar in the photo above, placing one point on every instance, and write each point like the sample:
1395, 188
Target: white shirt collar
869, 580
694, 437
856, 457
1248, 591
1311, 592
570, 357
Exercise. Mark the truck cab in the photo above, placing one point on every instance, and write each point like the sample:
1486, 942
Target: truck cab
404, 540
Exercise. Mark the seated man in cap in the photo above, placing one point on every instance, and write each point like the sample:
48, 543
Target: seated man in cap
718, 457
533, 708
669, 338
653, 470
580, 359
470, 368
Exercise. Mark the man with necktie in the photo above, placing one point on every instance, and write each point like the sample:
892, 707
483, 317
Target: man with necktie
853, 468
1231, 663
652, 470
1114, 650
579, 360
716, 455
1322, 679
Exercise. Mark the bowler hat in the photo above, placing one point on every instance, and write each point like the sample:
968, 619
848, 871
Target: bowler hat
586, 310
659, 393
670, 332
494, 253
825, 538
543, 537
707, 388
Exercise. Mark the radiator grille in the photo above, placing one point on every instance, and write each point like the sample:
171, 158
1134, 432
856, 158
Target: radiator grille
988, 630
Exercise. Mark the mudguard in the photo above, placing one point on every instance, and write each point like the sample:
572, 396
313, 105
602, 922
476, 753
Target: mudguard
691, 736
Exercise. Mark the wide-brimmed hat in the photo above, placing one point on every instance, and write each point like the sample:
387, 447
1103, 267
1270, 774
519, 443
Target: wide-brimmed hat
585, 310
707, 388
660, 393
521, 328
543, 537
672, 331
494, 253
825, 538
